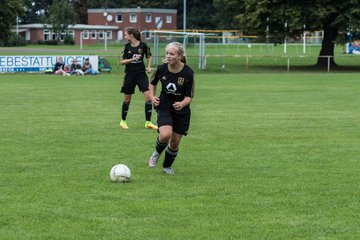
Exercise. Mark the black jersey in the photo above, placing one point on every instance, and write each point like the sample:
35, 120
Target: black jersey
129, 52
174, 86
58, 66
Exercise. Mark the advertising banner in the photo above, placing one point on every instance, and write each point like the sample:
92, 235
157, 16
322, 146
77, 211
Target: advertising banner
40, 63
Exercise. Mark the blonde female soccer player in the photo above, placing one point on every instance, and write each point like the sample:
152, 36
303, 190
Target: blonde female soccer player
173, 105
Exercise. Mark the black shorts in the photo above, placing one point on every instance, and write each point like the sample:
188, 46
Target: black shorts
179, 122
131, 79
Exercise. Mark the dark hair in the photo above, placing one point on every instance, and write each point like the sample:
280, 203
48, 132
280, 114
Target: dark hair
134, 32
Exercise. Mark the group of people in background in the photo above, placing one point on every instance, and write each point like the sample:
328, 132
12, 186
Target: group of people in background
176, 81
74, 69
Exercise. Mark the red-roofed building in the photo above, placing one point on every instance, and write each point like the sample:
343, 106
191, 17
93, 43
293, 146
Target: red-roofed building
37, 33
111, 22
143, 19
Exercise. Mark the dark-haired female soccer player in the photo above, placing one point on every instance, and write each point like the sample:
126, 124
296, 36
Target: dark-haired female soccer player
135, 74
173, 105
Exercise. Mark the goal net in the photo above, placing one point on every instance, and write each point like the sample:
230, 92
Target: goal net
194, 44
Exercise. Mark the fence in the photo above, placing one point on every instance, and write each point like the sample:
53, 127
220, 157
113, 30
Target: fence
252, 57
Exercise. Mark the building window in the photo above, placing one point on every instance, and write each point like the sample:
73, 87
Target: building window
85, 34
147, 35
46, 35
168, 19
93, 34
101, 34
148, 18
133, 17
71, 33
62, 35
119, 18
109, 35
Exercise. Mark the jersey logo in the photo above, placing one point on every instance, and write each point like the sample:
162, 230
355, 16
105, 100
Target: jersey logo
163, 78
140, 51
180, 81
171, 88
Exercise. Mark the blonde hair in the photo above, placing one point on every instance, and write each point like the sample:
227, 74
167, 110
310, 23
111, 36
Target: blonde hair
180, 50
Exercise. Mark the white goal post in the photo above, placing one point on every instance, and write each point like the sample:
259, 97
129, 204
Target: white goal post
202, 57
82, 34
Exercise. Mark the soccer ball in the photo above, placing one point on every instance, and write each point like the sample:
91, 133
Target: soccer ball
120, 173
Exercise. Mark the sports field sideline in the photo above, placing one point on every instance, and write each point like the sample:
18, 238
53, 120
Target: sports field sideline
268, 156
220, 58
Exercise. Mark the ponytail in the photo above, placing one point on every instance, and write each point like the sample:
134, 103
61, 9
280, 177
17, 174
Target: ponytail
183, 59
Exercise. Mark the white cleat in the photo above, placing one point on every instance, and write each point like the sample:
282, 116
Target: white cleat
154, 159
168, 170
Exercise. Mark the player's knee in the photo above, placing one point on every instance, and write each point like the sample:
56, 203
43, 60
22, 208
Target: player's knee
174, 144
147, 98
127, 98
164, 136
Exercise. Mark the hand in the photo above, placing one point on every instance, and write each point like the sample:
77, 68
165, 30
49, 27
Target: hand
155, 101
178, 106
148, 69
136, 57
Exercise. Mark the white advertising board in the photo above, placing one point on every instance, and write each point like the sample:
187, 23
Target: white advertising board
40, 63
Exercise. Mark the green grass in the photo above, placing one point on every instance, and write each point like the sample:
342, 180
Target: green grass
269, 156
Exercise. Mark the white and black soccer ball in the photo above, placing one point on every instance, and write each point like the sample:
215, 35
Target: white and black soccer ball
120, 173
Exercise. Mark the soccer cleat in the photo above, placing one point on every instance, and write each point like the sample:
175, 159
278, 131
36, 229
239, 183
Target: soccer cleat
123, 125
154, 159
168, 170
150, 125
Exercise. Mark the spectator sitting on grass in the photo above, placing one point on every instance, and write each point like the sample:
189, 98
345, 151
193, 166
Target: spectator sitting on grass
75, 68
60, 68
87, 68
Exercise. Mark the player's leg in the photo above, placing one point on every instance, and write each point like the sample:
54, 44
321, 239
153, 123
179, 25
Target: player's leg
143, 83
128, 89
125, 110
148, 111
171, 152
165, 132
181, 124
161, 143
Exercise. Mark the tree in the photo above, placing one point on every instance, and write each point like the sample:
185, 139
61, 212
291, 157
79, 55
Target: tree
35, 11
61, 15
199, 14
225, 14
8, 11
331, 16
81, 7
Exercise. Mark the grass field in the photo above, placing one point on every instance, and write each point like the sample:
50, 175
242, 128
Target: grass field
269, 156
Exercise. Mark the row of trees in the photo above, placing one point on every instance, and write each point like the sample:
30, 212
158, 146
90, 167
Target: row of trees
251, 16
200, 13
8, 12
